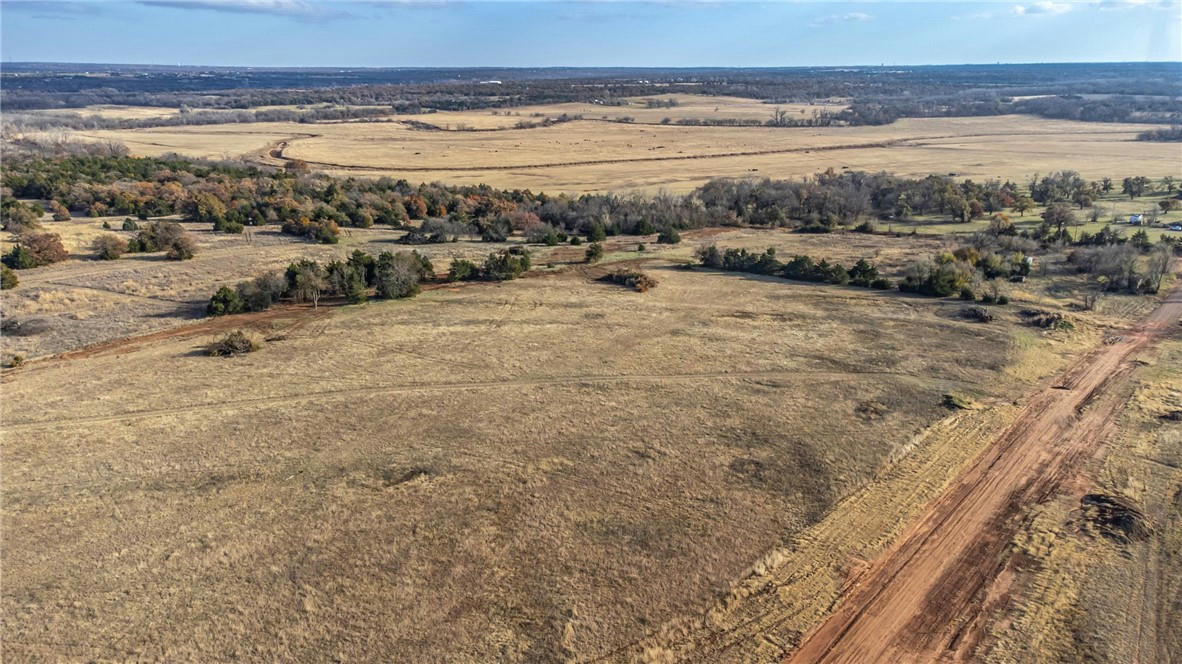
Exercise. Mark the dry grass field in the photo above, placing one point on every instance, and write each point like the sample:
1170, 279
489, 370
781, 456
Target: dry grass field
540, 469
1083, 589
593, 155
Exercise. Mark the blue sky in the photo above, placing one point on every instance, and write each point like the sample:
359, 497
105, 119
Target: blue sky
441, 33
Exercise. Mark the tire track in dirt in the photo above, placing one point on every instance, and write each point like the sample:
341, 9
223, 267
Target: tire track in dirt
916, 600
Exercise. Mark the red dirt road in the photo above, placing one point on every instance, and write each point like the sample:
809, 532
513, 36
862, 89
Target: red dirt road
923, 599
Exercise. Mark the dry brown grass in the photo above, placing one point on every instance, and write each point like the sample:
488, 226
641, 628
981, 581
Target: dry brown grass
593, 155
532, 470
1082, 592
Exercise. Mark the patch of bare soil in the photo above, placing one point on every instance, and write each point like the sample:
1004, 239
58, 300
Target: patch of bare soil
922, 600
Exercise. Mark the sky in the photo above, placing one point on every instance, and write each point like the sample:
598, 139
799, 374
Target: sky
660, 33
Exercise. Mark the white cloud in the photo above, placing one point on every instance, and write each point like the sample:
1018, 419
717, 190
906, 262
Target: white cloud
850, 17
299, 8
1043, 7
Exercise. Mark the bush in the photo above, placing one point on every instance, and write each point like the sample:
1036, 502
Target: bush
109, 247
978, 314
35, 250
7, 278
181, 249
130, 225
462, 270
640, 247
635, 279
575, 240
594, 252
234, 343
504, 265
967, 293
261, 292
60, 213
224, 302
942, 279
597, 233
669, 235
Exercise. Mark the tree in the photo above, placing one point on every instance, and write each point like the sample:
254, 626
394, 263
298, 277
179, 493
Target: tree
1022, 204
594, 252
597, 233
35, 250
181, 248
1135, 186
224, 302
1106, 185
669, 235
108, 247
307, 282
1168, 184
397, 275
462, 270
1058, 215
1157, 267
7, 278
60, 213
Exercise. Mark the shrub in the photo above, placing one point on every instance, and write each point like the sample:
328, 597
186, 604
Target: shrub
575, 240
978, 314
926, 277
594, 252
60, 213
234, 343
181, 248
109, 247
7, 278
634, 279
597, 233
669, 235
504, 265
640, 247
967, 293
224, 302
462, 270
130, 225
261, 292
34, 250
226, 225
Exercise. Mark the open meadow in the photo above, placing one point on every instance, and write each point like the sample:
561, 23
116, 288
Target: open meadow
594, 154
770, 419
534, 470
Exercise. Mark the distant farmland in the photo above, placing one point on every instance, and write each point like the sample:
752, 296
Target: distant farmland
602, 153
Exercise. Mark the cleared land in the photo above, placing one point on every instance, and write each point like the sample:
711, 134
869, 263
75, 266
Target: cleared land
526, 469
592, 155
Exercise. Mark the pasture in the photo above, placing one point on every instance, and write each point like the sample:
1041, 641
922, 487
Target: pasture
597, 154
538, 469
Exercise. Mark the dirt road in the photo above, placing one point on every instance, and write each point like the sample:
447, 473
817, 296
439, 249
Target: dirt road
925, 598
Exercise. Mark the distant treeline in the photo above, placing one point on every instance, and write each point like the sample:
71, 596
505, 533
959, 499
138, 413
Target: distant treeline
1147, 92
232, 195
186, 116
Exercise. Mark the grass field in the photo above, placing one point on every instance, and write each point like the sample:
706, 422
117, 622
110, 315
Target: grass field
593, 155
539, 469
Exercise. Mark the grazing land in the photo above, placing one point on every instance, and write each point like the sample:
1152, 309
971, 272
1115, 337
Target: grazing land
595, 155
893, 385
485, 498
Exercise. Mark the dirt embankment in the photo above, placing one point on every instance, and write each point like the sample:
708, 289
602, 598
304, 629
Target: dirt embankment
924, 599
